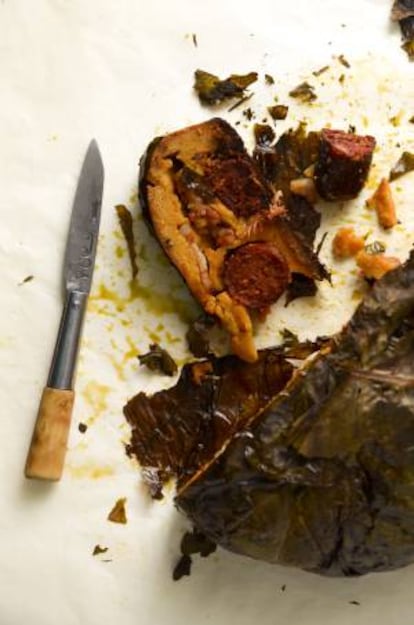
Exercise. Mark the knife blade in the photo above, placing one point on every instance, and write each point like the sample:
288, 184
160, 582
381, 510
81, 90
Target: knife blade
47, 450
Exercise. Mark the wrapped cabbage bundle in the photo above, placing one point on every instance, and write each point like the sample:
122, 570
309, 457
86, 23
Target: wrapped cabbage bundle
318, 475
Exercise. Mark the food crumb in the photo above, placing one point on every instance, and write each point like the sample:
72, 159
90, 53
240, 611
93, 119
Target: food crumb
118, 512
194, 38
376, 265
354, 603
383, 204
97, 550
283, 588
346, 243
269, 80
82, 427
278, 111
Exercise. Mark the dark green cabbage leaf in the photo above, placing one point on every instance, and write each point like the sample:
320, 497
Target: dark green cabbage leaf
323, 479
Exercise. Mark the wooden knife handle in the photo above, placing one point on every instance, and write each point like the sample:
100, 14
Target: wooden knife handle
47, 451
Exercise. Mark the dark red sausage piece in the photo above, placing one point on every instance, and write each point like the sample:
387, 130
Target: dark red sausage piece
343, 164
256, 274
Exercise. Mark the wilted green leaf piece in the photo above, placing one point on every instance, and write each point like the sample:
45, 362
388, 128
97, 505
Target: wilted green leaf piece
304, 92
404, 165
158, 359
212, 90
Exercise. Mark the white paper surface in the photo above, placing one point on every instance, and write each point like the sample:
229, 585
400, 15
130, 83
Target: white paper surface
121, 71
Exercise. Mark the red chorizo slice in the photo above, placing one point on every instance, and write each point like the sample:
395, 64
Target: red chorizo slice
256, 274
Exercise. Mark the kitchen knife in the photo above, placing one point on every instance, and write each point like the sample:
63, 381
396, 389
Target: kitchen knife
47, 451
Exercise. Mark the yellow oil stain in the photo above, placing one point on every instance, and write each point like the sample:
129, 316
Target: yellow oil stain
118, 365
91, 471
102, 311
132, 352
96, 395
159, 304
105, 294
119, 251
172, 339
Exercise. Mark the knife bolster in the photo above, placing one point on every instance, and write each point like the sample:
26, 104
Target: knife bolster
65, 355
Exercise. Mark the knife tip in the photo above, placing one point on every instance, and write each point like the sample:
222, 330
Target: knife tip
94, 154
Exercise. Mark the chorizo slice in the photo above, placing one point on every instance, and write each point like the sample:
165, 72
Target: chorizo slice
256, 274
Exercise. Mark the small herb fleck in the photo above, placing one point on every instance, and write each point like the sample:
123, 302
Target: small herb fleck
194, 38
377, 247
118, 512
283, 588
82, 427
354, 603
269, 80
322, 70
126, 224
25, 280
248, 114
343, 61
404, 165
304, 92
97, 550
240, 102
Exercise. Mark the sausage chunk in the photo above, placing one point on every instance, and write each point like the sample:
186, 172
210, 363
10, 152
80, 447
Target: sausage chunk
256, 274
343, 164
